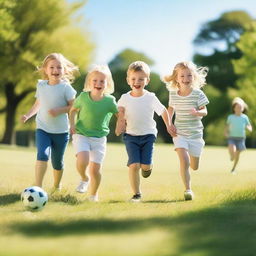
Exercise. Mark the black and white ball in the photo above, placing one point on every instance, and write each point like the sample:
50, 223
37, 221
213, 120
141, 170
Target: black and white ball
34, 198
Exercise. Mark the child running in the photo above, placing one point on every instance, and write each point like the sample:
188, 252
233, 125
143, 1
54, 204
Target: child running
235, 130
54, 97
188, 103
137, 108
95, 107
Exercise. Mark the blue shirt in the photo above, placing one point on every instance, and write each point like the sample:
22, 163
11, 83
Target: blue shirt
237, 125
53, 96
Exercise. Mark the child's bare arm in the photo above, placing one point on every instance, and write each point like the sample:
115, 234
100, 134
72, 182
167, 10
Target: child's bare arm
120, 123
202, 111
73, 111
34, 109
249, 128
173, 128
57, 111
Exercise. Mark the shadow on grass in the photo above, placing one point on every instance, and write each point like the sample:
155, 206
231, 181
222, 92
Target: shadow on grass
162, 201
68, 199
9, 199
228, 229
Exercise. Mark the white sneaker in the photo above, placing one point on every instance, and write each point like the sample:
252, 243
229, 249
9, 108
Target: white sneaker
188, 195
82, 187
93, 198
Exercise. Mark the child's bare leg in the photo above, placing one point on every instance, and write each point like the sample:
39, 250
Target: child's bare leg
95, 177
134, 177
82, 162
236, 159
146, 170
194, 162
146, 167
57, 175
184, 167
232, 150
40, 170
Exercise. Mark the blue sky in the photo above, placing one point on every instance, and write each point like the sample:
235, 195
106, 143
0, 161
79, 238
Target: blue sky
161, 29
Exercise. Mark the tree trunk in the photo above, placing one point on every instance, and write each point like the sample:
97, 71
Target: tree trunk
11, 107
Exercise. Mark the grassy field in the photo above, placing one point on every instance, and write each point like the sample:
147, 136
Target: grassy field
220, 221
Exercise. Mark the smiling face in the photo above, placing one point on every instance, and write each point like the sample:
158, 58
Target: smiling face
238, 108
54, 70
97, 82
137, 80
184, 78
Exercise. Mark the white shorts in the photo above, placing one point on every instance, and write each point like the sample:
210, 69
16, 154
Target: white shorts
95, 146
193, 146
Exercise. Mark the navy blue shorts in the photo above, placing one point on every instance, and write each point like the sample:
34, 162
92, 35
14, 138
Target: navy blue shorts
53, 144
139, 148
238, 142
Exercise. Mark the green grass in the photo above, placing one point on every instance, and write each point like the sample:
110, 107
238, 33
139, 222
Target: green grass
220, 221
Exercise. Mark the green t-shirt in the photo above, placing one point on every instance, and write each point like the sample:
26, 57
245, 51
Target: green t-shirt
94, 116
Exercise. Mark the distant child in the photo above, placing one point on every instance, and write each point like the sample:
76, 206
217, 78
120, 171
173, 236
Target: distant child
136, 109
94, 108
188, 103
54, 97
235, 130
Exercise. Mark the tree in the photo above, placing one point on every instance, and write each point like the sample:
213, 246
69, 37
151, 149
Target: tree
218, 38
123, 59
246, 69
37, 28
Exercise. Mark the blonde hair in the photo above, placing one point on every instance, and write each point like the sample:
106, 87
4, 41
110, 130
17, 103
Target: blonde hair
240, 101
69, 68
104, 69
139, 66
199, 75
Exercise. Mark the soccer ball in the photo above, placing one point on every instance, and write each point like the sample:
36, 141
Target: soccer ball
34, 198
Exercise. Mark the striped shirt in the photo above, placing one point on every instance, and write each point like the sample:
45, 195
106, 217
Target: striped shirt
186, 124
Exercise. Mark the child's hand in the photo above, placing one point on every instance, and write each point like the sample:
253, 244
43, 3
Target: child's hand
72, 129
172, 130
120, 127
193, 112
53, 112
24, 118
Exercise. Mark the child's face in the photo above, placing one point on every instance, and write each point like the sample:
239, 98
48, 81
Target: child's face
238, 109
184, 77
54, 70
98, 82
137, 80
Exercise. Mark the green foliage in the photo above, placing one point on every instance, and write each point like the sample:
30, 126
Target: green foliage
38, 27
214, 133
7, 32
246, 69
218, 38
226, 29
123, 59
219, 104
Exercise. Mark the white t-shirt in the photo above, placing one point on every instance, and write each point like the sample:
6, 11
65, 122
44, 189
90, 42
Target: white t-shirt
53, 96
139, 112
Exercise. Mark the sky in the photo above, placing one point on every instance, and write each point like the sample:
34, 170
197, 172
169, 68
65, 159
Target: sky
161, 29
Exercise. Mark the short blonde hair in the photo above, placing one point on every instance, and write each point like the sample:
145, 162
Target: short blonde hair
199, 75
69, 68
104, 69
139, 66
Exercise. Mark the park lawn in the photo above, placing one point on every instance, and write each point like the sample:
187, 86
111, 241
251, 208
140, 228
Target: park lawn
220, 221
